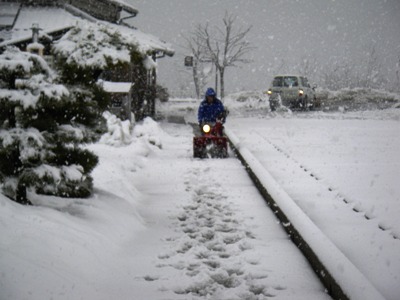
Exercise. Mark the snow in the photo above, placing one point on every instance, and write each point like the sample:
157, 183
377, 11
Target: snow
349, 278
13, 59
164, 225
34, 46
116, 42
115, 87
119, 132
29, 139
72, 172
149, 63
125, 5
48, 171
24, 97
288, 36
342, 170
93, 54
51, 19
69, 130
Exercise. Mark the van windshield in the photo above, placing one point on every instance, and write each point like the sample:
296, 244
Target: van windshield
290, 81
286, 81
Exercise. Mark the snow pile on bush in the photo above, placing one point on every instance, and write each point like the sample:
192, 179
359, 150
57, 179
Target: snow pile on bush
106, 44
247, 100
119, 132
92, 53
150, 131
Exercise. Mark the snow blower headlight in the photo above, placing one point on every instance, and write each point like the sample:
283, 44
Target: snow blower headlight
269, 92
206, 128
301, 93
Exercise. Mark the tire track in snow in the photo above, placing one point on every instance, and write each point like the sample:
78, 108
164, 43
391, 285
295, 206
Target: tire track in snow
338, 195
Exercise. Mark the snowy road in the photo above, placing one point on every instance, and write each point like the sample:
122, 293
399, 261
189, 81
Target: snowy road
329, 167
211, 234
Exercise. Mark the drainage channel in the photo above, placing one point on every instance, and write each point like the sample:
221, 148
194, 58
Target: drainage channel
323, 256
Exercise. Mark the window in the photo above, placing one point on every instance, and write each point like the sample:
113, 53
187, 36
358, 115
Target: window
290, 81
304, 81
277, 81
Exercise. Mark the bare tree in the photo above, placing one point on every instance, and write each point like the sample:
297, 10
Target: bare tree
225, 46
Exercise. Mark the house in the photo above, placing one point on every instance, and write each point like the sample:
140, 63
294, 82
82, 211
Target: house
38, 25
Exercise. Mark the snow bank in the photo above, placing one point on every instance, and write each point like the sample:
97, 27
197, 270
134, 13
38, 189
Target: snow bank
357, 99
246, 101
66, 248
150, 131
118, 132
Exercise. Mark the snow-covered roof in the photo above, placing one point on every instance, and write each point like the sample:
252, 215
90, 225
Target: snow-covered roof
146, 42
51, 19
8, 13
125, 6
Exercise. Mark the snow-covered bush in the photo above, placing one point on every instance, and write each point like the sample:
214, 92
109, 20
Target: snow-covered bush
42, 125
90, 52
89, 49
86, 50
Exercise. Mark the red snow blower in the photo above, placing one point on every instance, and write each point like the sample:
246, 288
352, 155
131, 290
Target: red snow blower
212, 143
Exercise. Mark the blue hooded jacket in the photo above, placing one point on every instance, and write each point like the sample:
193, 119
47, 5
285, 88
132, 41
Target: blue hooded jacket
209, 112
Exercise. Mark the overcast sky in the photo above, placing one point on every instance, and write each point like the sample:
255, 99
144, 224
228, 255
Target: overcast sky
284, 32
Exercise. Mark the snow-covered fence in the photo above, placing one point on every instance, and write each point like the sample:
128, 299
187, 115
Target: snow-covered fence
340, 277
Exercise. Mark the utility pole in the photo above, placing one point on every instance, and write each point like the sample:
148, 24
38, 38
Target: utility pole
216, 80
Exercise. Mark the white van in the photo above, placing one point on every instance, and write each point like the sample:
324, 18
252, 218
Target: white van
293, 91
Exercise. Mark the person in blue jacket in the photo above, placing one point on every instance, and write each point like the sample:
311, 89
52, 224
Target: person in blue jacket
211, 108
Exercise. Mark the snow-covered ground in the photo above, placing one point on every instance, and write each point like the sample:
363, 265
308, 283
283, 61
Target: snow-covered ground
340, 167
344, 175
162, 225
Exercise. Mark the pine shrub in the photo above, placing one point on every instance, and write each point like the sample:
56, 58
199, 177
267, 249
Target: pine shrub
42, 127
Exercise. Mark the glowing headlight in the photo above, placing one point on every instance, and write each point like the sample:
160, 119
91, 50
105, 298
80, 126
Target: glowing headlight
206, 128
301, 92
269, 92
